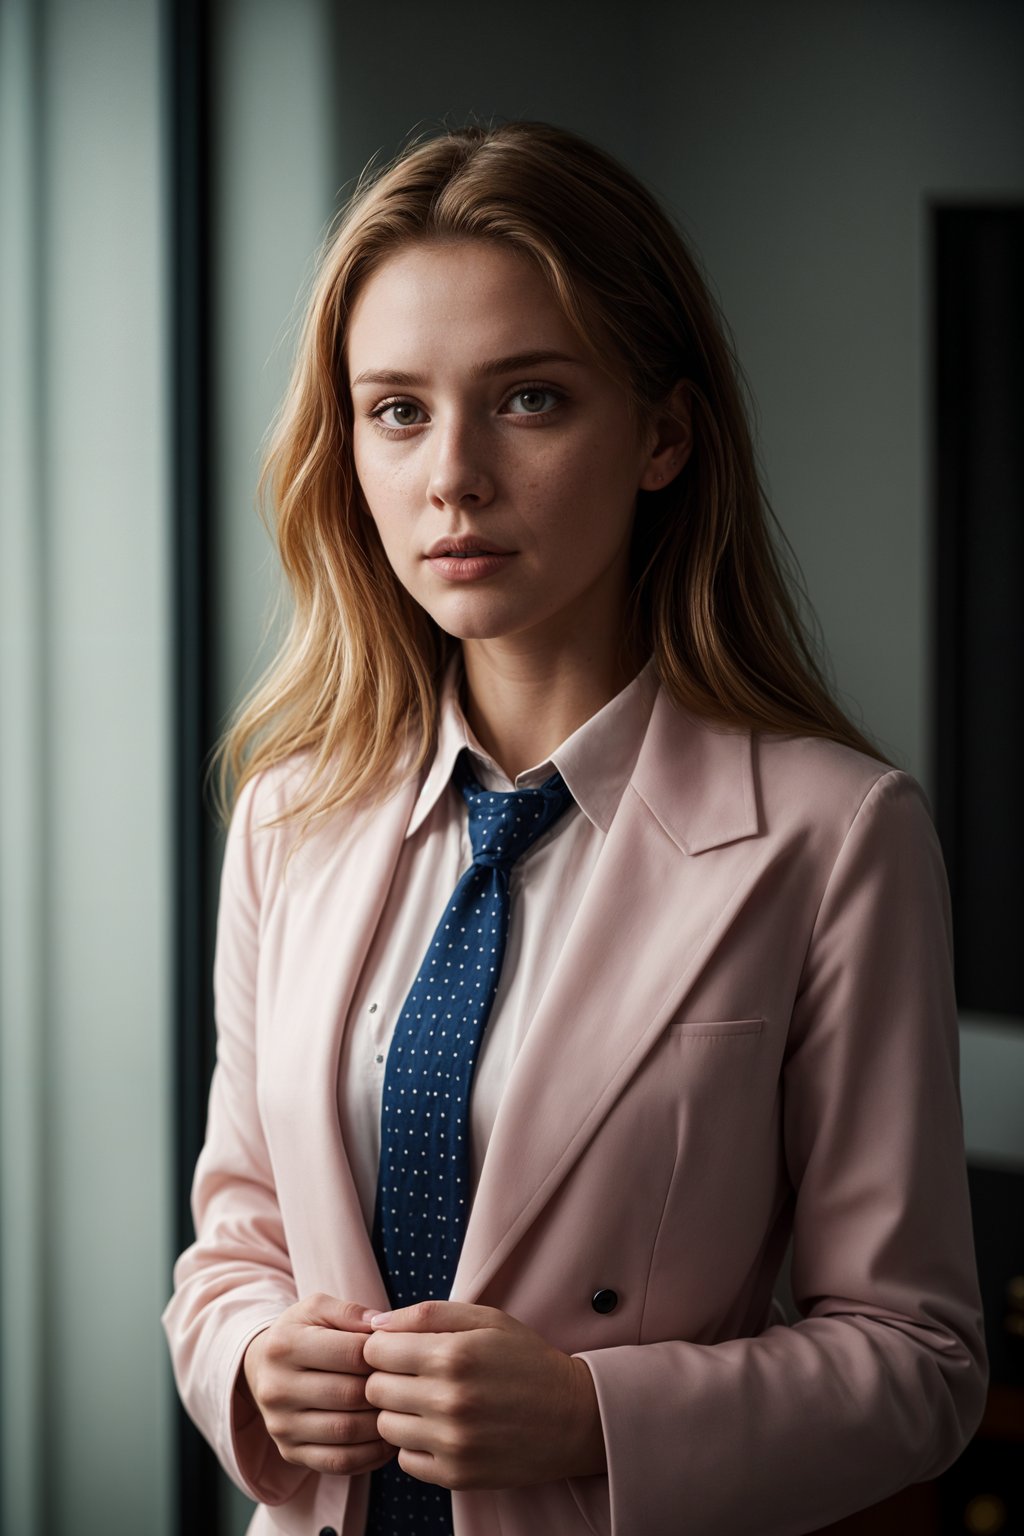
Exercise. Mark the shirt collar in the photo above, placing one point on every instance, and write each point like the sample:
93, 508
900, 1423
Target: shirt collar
596, 761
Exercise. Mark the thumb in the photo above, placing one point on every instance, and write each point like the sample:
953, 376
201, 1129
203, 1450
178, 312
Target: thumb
325, 1311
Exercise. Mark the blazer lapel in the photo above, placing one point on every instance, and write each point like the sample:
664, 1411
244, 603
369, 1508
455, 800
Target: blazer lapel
629, 959
343, 894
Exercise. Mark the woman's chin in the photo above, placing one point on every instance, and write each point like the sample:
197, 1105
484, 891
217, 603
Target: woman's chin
472, 620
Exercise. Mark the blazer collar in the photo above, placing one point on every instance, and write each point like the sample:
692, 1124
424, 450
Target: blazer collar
697, 779
596, 760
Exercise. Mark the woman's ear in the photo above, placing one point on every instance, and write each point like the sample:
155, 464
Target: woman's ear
671, 440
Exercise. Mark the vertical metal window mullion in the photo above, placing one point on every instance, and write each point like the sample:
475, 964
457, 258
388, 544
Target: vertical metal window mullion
185, 39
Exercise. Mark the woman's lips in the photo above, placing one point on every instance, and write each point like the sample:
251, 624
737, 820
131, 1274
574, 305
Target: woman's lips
464, 544
469, 567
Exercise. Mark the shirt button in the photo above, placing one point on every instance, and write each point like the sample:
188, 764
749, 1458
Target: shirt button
604, 1301
328, 1530
378, 1058
373, 1009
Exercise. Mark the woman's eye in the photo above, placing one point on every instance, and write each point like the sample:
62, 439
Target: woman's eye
533, 401
396, 415
404, 413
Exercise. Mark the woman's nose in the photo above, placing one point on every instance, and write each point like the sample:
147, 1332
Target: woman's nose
459, 468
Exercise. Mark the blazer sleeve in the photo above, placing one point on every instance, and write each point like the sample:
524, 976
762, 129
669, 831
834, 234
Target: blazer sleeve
236, 1278
882, 1381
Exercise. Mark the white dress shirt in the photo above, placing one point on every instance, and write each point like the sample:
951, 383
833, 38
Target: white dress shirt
545, 888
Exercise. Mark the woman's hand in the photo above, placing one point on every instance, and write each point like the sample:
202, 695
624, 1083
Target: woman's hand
476, 1399
306, 1375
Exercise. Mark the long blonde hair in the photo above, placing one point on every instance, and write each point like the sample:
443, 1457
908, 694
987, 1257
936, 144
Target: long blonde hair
355, 687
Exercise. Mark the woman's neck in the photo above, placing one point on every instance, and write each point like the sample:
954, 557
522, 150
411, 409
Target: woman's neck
522, 703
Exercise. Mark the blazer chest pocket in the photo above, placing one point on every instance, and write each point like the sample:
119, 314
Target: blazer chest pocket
711, 1078
716, 1029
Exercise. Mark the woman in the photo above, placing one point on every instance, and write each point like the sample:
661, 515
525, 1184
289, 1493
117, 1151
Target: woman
575, 951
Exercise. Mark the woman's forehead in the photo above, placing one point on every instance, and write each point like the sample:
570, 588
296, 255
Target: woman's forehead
473, 302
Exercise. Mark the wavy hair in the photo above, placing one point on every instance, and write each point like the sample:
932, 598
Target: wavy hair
715, 596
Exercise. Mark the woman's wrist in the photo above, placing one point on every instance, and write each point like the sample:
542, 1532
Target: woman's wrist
589, 1455
246, 1380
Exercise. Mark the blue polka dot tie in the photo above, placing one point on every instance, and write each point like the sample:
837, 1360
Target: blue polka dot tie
423, 1183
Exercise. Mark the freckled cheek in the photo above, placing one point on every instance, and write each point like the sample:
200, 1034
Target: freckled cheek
380, 477
567, 499
391, 502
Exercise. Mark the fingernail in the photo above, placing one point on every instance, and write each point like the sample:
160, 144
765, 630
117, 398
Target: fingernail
378, 1319
368, 1314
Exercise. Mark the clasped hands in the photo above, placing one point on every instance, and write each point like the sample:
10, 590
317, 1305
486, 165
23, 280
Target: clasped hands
468, 1396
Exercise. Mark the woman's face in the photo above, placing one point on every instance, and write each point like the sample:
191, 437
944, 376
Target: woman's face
478, 416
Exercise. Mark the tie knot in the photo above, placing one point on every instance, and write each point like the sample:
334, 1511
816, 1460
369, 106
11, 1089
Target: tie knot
503, 824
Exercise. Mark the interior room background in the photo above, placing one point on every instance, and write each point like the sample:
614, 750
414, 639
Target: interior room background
166, 177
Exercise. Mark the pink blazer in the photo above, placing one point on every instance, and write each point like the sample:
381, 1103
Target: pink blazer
750, 1033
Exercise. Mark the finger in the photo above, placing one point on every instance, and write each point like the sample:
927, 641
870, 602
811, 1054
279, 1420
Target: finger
436, 1316
312, 1428
320, 1391
342, 1460
307, 1346
401, 1394
411, 1354
327, 1311
446, 1355
406, 1430
422, 1465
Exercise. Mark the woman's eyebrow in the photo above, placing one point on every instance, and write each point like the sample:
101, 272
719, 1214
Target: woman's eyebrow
497, 365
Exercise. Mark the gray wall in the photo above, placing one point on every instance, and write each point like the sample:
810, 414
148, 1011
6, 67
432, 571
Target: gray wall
84, 774
274, 193
273, 156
